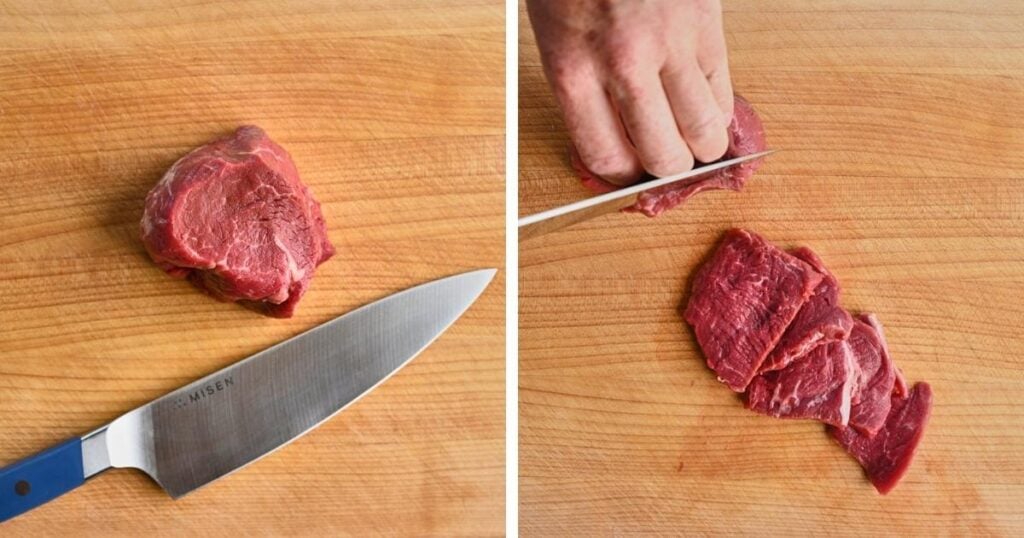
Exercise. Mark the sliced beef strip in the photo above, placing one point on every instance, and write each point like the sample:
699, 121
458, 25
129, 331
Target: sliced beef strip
746, 136
887, 455
900, 386
741, 302
234, 218
874, 376
820, 321
818, 386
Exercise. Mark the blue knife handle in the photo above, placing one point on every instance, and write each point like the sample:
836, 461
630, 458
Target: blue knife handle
41, 478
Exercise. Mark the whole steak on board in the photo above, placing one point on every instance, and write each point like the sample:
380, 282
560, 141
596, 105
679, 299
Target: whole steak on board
235, 220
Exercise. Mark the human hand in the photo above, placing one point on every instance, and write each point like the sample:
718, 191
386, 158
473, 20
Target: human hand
643, 85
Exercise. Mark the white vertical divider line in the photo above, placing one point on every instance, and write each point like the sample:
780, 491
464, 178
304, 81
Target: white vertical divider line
511, 268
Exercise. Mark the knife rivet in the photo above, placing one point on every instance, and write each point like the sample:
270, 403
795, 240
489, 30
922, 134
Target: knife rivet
22, 488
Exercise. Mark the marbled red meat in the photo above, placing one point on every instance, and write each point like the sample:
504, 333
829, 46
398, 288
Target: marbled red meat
746, 136
741, 302
817, 386
758, 310
900, 384
234, 218
874, 376
886, 456
820, 321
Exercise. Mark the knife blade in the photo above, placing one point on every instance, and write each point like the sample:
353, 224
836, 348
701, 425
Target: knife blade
231, 418
576, 212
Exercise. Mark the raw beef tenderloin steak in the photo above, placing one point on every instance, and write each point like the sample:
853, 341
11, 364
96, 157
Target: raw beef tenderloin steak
886, 456
774, 316
818, 386
746, 136
874, 376
234, 219
900, 385
741, 302
820, 321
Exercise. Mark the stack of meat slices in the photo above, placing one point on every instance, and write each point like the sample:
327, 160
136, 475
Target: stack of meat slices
770, 325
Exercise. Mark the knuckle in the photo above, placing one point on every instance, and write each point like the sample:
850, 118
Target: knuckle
565, 76
675, 71
622, 66
707, 137
612, 164
630, 88
709, 142
667, 164
704, 125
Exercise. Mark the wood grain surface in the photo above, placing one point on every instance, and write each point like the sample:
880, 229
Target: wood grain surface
393, 112
902, 150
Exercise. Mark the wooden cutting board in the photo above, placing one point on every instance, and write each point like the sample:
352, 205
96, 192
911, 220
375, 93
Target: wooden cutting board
902, 150
393, 112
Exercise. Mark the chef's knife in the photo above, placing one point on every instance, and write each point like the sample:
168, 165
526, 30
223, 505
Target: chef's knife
229, 419
567, 215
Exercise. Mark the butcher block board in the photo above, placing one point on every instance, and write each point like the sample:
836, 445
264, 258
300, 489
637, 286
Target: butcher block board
393, 112
902, 150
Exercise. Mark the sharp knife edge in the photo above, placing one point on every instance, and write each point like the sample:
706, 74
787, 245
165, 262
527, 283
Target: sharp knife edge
636, 189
